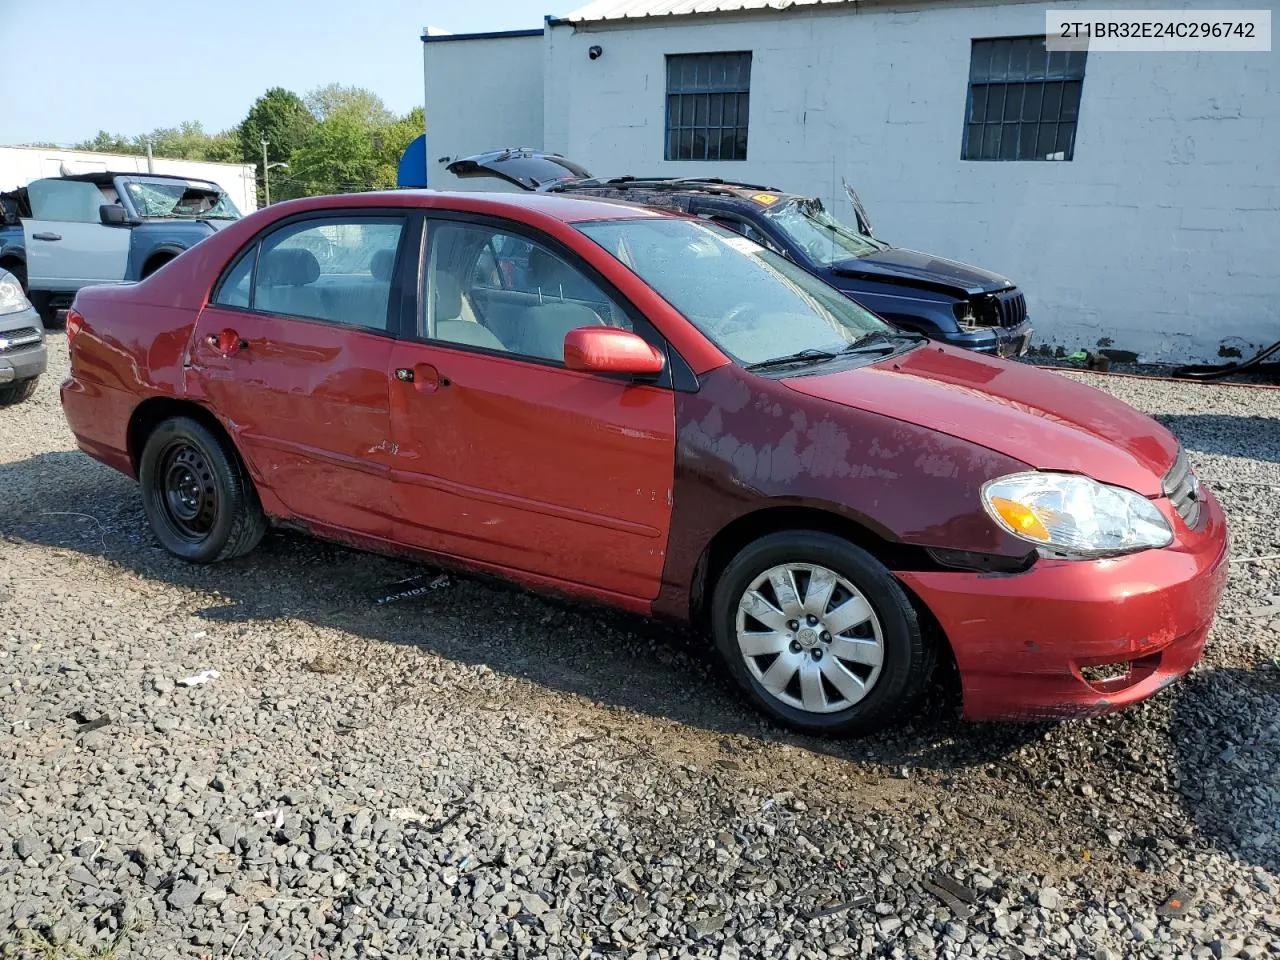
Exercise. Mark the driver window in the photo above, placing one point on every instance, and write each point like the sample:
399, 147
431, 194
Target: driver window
75, 201
503, 292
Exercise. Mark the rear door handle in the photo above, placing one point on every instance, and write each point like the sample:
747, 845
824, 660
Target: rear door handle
424, 377
227, 342
46, 236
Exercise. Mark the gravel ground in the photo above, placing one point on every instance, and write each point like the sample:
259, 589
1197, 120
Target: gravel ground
471, 771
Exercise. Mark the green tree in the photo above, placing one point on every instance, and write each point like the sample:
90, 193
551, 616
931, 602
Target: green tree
362, 105
338, 157
111, 143
279, 116
282, 118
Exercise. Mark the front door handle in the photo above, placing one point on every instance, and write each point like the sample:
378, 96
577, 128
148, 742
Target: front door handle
46, 236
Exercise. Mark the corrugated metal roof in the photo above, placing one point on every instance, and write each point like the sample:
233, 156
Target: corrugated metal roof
640, 9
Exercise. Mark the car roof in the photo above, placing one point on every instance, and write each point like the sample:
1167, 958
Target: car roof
104, 178
566, 209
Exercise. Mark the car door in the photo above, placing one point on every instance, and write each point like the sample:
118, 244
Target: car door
68, 246
506, 457
293, 355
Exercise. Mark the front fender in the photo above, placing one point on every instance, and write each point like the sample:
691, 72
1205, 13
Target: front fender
745, 442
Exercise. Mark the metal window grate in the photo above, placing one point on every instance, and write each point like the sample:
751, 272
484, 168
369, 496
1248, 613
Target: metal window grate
708, 97
1024, 101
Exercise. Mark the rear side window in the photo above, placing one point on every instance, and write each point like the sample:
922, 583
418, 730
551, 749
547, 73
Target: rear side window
337, 270
235, 287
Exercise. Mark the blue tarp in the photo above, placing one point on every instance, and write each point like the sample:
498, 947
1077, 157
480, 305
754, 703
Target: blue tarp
412, 171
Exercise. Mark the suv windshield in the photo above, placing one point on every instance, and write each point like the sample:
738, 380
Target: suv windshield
753, 304
820, 235
180, 199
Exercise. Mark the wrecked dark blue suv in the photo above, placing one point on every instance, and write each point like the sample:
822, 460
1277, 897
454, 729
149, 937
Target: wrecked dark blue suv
945, 300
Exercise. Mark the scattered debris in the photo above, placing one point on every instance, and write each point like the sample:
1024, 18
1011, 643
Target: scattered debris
200, 679
836, 908
275, 813
447, 821
953, 902
85, 725
1178, 904
411, 587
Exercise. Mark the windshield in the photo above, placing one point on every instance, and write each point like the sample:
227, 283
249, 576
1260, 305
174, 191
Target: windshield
182, 199
820, 235
753, 304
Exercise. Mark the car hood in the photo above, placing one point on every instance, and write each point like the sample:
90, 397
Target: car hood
1041, 418
899, 263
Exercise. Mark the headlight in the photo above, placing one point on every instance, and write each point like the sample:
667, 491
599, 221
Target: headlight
1074, 515
12, 299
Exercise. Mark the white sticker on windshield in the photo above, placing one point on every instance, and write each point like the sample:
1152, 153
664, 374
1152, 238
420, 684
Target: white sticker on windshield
743, 245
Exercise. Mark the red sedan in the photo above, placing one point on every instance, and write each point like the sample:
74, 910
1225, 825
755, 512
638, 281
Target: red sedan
652, 412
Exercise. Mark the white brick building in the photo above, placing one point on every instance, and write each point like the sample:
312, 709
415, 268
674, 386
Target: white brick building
1158, 231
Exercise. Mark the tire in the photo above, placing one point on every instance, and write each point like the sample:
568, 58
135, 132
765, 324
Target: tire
152, 266
199, 498
842, 644
12, 393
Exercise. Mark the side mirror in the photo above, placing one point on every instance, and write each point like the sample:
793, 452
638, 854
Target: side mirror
113, 214
610, 350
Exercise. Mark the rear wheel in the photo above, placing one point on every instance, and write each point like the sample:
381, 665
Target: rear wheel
819, 634
12, 393
198, 496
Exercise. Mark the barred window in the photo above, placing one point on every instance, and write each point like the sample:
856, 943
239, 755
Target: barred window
707, 101
1024, 101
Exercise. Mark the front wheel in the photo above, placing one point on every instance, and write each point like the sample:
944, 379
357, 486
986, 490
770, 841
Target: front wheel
199, 498
819, 634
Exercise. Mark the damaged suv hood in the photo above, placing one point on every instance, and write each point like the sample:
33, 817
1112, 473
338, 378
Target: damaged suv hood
1045, 420
898, 263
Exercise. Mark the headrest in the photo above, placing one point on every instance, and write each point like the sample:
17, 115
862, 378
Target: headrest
545, 268
381, 264
288, 267
448, 294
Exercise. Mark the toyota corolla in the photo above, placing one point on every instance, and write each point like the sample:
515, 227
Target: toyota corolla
652, 412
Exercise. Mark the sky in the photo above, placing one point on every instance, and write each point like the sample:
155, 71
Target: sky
82, 67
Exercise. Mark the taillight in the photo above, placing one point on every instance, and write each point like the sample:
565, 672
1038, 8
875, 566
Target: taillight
75, 322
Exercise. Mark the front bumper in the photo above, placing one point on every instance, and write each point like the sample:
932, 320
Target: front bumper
1027, 645
25, 360
997, 341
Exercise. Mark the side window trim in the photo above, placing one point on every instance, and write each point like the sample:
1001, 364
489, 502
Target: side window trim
640, 323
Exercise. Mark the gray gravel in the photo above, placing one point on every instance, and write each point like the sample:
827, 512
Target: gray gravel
471, 771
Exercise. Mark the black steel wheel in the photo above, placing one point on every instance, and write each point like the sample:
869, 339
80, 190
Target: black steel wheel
198, 496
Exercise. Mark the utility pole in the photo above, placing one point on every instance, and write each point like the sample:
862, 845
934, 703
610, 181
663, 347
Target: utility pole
151, 167
266, 175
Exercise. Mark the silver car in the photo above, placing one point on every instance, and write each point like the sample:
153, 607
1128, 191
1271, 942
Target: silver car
22, 354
